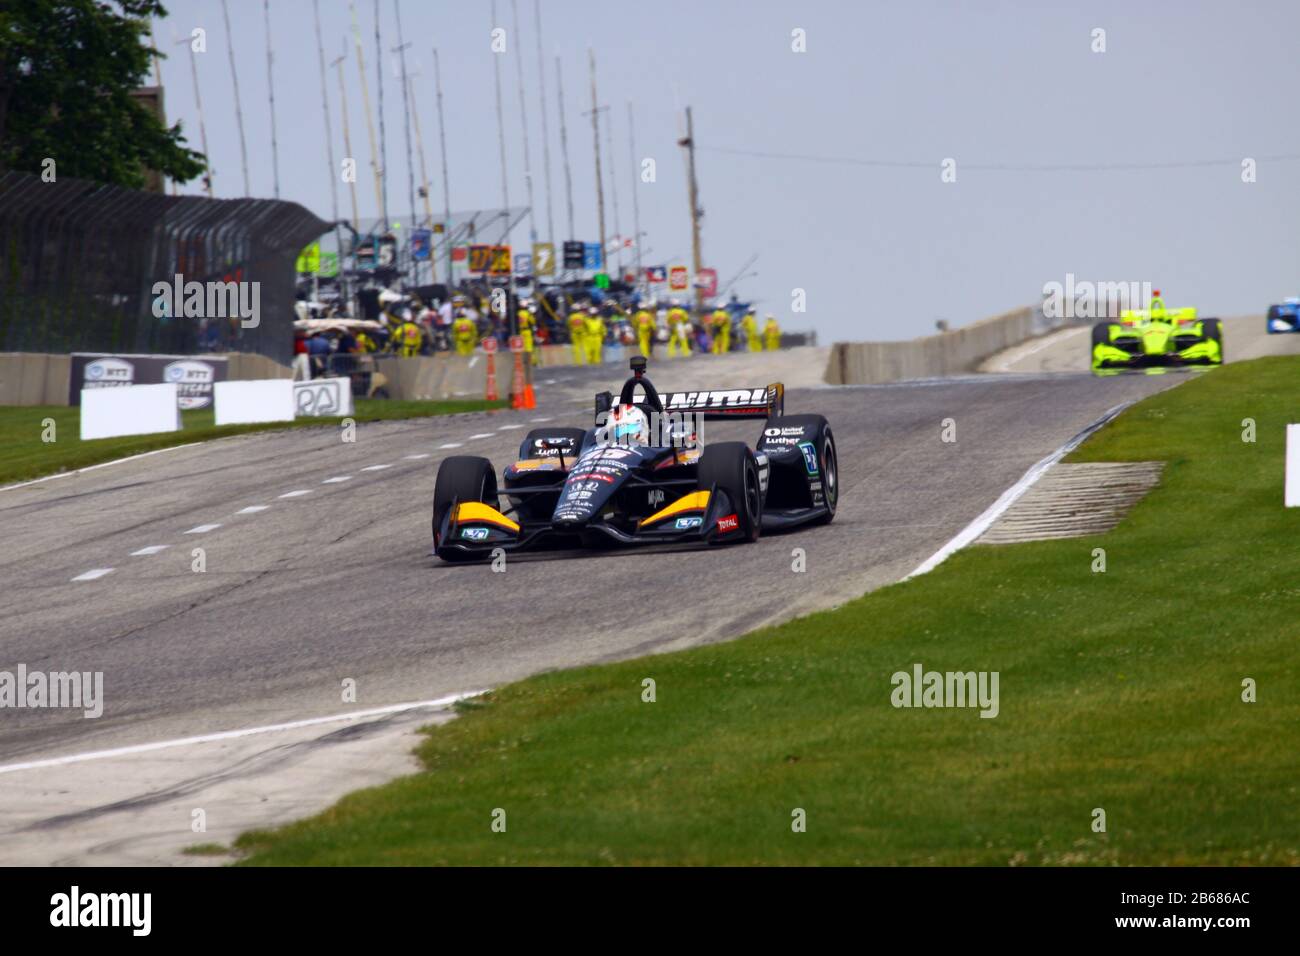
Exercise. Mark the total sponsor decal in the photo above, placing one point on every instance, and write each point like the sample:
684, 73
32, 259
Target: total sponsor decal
728, 523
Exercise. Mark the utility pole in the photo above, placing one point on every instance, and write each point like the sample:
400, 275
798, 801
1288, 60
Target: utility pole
446, 176
203, 130
564, 149
636, 182
370, 121
270, 85
546, 136
595, 140
689, 144
239, 112
501, 135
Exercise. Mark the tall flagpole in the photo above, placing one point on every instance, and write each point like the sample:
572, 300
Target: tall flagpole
501, 135
270, 85
636, 182
595, 142
446, 175
347, 139
546, 135
325, 108
370, 121
424, 177
613, 186
383, 139
406, 109
564, 149
239, 112
523, 120
203, 130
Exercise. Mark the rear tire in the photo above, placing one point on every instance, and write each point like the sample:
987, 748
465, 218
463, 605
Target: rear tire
730, 465
461, 478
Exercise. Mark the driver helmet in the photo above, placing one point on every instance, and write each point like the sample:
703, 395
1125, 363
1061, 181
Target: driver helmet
628, 425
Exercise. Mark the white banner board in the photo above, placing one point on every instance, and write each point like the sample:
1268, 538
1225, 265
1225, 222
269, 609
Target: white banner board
323, 397
129, 410
262, 400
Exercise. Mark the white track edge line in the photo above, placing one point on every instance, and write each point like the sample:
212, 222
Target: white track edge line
102, 464
1010, 496
439, 703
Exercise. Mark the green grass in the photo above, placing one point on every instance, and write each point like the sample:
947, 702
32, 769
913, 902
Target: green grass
24, 454
1119, 690
207, 849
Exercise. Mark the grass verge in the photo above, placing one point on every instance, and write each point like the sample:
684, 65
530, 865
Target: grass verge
25, 455
1120, 691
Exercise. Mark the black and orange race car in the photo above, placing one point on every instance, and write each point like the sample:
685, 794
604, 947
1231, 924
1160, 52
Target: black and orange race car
642, 476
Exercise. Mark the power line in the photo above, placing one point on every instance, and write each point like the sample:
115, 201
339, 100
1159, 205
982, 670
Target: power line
1000, 167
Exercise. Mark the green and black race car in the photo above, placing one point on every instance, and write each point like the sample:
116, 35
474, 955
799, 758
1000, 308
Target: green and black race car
1156, 338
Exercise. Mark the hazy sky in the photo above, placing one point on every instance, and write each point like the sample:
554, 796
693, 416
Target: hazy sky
881, 250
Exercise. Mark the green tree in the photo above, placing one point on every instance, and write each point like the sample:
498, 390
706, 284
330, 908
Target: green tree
67, 72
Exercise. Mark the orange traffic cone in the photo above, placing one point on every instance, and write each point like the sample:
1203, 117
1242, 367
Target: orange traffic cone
530, 400
516, 389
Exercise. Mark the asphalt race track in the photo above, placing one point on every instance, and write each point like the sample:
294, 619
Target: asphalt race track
318, 570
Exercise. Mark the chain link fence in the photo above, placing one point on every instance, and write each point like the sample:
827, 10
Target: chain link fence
79, 260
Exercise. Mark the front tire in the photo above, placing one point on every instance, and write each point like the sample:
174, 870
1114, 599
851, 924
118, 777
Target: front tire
730, 466
461, 478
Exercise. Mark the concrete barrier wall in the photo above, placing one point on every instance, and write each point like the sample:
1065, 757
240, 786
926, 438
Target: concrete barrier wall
34, 378
37, 378
948, 353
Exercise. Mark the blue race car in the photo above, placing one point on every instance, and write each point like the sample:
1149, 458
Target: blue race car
1284, 317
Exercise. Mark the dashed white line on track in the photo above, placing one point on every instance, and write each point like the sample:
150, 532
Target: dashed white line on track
414, 457
479, 435
203, 528
92, 575
506, 428
152, 549
296, 494
337, 479
450, 444
376, 467
541, 419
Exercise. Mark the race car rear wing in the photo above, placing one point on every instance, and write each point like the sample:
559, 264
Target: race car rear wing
715, 404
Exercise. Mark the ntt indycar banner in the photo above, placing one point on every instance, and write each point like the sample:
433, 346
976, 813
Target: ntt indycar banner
192, 376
